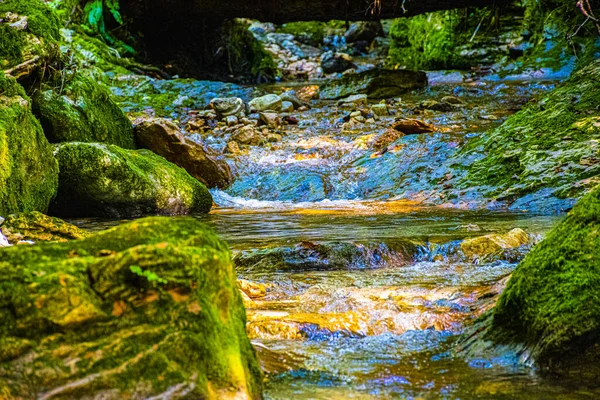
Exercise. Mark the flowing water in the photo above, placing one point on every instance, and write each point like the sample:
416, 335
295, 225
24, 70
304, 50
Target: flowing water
361, 286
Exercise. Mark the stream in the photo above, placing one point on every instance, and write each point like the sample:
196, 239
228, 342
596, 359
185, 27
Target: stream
362, 284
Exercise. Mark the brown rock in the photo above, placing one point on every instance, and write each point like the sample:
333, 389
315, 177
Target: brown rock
412, 126
385, 139
164, 138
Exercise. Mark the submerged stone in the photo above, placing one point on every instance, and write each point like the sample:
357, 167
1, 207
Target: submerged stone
488, 245
162, 137
375, 84
98, 180
270, 102
145, 310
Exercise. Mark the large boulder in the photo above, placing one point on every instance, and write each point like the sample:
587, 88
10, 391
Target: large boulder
98, 180
375, 84
164, 138
364, 31
28, 171
149, 309
550, 309
82, 111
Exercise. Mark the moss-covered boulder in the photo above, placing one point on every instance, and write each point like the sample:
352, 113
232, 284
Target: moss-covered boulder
107, 181
550, 308
149, 309
376, 84
29, 33
37, 227
551, 143
81, 110
28, 171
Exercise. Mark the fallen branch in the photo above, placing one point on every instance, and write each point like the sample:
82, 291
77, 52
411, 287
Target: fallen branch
23, 69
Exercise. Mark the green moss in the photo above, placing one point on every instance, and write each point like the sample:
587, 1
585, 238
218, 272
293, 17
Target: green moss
38, 227
128, 336
552, 143
38, 36
28, 171
552, 301
105, 180
78, 108
244, 53
311, 33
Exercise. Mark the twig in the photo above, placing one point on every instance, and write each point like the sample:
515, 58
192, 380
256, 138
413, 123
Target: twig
23, 69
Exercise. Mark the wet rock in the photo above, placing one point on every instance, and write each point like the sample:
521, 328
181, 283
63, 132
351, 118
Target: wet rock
380, 109
164, 138
411, 126
437, 106
226, 106
3, 240
125, 313
365, 31
232, 148
248, 135
488, 245
382, 141
336, 62
307, 93
303, 69
356, 99
287, 106
323, 256
98, 180
549, 309
290, 96
453, 100
270, 102
254, 290
375, 84
232, 120
271, 120
37, 227
28, 170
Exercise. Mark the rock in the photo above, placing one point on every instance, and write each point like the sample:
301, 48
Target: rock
231, 120
355, 99
549, 309
437, 106
254, 290
248, 135
37, 227
411, 126
270, 102
226, 106
375, 84
233, 148
380, 110
287, 106
385, 139
29, 29
98, 180
82, 112
355, 114
303, 69
272, 120
126, 314
3, 240
162, 137
28, 170
453, 100
488, 245
364, 31
290, 96
307, 93
336, 62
